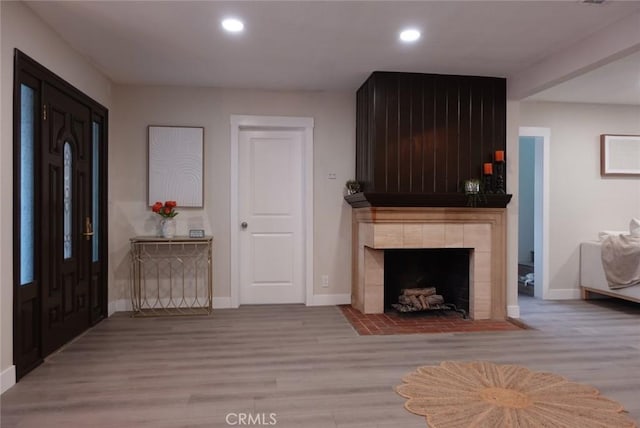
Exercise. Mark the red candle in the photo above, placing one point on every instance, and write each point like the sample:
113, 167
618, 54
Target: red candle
488, 169
499, 155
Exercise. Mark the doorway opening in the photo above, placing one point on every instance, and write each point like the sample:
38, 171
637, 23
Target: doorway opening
526, 214
533, 212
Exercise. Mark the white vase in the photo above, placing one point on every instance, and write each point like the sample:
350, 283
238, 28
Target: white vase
168, 227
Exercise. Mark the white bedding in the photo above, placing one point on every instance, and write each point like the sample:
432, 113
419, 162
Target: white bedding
592, 272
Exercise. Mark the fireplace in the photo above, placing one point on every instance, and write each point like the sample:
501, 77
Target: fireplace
419, 137
480, 232
442, 272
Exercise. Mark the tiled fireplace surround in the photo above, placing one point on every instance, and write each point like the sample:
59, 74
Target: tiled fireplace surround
482, 230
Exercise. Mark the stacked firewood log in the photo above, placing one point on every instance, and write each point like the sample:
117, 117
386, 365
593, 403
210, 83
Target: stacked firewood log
418, 299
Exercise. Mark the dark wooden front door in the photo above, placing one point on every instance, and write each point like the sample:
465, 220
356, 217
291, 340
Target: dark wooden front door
67, 226
60, 285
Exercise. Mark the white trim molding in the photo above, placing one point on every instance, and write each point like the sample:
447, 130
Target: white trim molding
222, 303
330, 299
244, 122
513, 311
122, 305
7, 378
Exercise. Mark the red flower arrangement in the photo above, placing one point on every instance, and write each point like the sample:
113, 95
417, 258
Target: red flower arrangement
167, 210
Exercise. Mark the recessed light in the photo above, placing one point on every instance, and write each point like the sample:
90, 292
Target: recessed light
232, 25
409, 35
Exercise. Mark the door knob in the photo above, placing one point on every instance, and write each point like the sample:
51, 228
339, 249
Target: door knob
88, 229
244, 224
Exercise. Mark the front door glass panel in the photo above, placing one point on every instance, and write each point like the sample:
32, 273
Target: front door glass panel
27, 201
68, 201
95, 199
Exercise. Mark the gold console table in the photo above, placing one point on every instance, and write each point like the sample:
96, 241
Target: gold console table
171, 276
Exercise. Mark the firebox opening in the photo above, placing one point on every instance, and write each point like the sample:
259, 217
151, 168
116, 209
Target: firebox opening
446, 269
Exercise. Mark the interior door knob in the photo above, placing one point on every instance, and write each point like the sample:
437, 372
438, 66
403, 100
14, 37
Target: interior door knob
244, 224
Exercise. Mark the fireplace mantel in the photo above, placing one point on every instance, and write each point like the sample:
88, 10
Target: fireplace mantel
481, 229
369, 199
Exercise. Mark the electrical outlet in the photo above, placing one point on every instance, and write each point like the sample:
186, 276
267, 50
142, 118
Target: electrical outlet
325, 281
332, 176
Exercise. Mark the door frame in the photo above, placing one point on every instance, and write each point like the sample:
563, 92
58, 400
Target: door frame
541, 207
26, 67
267, 123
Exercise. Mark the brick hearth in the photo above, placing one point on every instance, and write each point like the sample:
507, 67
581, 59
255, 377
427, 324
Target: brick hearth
439, 322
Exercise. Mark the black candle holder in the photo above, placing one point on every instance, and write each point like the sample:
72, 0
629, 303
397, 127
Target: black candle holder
487, 186
500, 177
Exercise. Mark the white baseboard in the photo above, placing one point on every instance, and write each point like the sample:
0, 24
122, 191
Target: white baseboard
329, 299
121, 305
513, 311
222, 303
562, 294
7, 378
113, 308
124, 305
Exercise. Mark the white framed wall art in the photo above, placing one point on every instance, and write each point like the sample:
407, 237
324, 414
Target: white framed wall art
620, 155
176, 173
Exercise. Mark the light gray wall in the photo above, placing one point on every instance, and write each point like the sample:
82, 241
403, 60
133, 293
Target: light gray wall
137, 107
526, 198
22, 29
581, 202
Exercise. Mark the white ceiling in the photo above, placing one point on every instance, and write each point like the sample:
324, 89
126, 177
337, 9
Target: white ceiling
333, 45
615, 83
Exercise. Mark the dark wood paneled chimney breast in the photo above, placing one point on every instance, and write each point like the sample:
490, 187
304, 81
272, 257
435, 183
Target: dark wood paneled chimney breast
420, 136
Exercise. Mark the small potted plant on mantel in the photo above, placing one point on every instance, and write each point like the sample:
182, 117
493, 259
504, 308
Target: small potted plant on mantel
352, 186
474, 191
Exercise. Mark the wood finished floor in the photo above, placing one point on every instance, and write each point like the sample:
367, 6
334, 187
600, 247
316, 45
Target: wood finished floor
305, 364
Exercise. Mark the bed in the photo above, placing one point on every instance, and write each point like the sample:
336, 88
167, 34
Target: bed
592, 279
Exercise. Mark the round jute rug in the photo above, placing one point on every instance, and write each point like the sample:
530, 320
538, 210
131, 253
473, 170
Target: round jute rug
483, 394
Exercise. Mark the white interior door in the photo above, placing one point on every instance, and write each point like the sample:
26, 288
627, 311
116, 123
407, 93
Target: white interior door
270, 183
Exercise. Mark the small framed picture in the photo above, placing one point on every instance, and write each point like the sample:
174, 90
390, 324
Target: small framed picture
620, 155
196, 233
